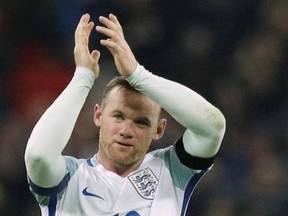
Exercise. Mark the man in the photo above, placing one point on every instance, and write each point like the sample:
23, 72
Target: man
122, 178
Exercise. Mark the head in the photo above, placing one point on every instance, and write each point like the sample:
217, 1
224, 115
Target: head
129, 121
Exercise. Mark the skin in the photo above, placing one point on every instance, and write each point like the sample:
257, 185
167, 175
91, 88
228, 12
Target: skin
123, 141
129, 121
123, 57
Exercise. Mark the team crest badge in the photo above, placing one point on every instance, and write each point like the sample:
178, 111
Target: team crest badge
145, 183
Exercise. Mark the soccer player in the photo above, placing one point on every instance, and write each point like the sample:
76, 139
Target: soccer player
122, 178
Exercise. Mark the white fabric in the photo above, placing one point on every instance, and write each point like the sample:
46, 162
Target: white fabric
115, 195
46, 166
44, 163
205, 124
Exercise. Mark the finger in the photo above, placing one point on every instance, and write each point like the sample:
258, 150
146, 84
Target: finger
111, 45
114, 19
107, 22
106, 31
108, 42
84, 19
81, 27
95, 55
88, 32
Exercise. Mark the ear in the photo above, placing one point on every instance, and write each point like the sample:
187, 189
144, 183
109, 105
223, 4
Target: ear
160, 129
97, 115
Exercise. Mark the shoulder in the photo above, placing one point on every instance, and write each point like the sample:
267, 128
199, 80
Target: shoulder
176, 154
73, 163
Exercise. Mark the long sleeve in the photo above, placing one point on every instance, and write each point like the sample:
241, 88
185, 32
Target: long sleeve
44, 162
205, 123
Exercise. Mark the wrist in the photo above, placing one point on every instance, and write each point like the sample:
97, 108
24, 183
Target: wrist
85, 71
130, 71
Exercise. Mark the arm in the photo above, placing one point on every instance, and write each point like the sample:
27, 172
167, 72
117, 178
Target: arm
205, 124
44, 163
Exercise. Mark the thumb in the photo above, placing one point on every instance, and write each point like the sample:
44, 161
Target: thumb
95, 55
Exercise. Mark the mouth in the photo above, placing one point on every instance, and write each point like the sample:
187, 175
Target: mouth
124, 144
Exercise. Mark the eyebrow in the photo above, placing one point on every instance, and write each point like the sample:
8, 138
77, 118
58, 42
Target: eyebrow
141, 118
118, 112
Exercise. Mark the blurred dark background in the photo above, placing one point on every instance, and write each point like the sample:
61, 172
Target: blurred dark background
233, 52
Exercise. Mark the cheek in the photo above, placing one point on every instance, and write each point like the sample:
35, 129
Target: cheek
109, 130
151, 132
146, 136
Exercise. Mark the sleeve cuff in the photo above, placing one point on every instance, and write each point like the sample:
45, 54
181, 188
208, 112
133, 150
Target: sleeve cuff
85, 76
86, 72
139, 74
190, 161
49, 191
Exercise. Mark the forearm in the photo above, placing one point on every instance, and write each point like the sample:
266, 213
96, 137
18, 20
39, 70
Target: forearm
205, 124
52, 132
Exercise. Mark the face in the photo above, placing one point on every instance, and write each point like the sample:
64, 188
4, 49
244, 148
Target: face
128, 122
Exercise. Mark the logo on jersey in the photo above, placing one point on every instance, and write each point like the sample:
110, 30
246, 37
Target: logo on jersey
145, 183
86, 193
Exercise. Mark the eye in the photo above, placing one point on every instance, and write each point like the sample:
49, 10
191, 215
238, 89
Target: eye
118, 117
142, 123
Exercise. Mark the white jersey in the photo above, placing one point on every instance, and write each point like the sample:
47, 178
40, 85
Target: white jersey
162, 185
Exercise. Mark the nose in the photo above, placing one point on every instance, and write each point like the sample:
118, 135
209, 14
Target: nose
126, 130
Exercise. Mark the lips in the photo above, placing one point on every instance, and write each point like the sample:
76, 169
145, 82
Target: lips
124, 144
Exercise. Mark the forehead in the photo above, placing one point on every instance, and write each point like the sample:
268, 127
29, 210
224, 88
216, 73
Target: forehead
120, 97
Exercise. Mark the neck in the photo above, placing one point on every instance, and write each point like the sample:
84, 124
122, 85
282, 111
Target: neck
120, 169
